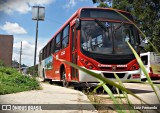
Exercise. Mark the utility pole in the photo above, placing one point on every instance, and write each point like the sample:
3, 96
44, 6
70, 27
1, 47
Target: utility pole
35, 53
38, 15
20, 57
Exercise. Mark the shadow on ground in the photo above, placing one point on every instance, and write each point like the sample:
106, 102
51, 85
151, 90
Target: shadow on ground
88, 88
137, 91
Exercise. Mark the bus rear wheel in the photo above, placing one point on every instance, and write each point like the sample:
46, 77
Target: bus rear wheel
64, 80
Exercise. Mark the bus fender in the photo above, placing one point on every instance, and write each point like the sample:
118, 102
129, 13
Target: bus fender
62, 67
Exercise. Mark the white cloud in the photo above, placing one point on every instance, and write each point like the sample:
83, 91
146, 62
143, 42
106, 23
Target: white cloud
70, 4
13, 28
40, 2
27, 52
21, 6
28, 46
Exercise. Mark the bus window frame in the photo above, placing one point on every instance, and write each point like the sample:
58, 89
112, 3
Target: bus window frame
67, 36
48, 45
56, 43
53, 46
43, 54
49, 48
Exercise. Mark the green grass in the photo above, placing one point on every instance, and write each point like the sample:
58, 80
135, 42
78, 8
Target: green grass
155, 68
11, 81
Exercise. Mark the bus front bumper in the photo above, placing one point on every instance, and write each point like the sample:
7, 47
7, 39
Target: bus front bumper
123, 75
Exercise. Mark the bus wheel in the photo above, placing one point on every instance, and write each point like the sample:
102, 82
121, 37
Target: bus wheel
144, 79
64, 81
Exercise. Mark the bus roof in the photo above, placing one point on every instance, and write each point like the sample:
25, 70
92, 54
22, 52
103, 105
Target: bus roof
102, 8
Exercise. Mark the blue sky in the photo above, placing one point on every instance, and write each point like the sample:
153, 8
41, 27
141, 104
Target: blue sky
16, 19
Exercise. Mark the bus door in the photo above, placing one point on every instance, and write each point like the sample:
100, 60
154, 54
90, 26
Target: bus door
74, 72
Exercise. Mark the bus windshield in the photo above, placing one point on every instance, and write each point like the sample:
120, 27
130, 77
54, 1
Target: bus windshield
106, 37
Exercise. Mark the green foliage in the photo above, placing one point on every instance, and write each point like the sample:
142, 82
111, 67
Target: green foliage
2, 63
15, 64
11, 81
147, 14
102, 4
33, 71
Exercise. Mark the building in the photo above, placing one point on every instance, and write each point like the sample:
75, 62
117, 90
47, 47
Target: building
6, 49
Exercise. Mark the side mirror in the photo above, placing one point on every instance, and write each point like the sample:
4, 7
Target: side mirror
78, 24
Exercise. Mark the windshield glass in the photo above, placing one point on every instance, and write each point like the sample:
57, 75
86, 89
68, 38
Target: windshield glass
107, 37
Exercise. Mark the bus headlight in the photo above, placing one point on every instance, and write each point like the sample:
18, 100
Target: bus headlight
87, 64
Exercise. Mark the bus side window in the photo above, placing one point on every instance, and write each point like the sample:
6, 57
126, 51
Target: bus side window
47, 50
50, 47
43, 54
53, 46
58, 42
65, 37
73, 44
144, 59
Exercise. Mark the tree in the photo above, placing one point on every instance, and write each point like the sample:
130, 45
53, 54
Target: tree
15, 64
147, 17
102, 3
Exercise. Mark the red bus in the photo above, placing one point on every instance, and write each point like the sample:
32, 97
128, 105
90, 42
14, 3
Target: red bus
95, 39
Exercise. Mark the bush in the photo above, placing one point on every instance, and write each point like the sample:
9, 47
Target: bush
11, 81
2, 63
33, 71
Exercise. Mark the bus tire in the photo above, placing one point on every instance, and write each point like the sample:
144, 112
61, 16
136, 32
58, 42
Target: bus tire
65, 83
144, 79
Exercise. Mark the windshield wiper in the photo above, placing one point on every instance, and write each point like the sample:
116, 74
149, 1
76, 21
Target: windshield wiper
107, 29
101, 25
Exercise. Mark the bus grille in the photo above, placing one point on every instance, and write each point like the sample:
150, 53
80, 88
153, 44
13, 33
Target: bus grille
110, 68
111, 75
